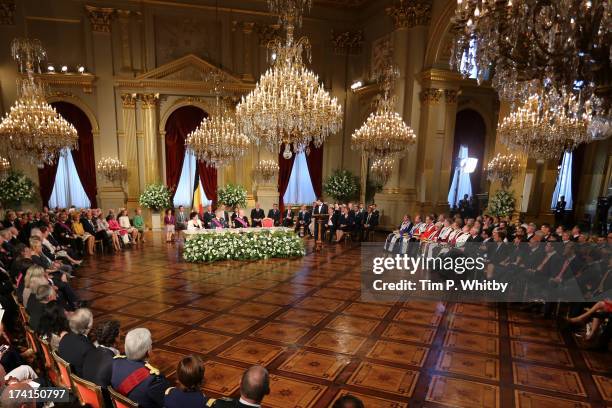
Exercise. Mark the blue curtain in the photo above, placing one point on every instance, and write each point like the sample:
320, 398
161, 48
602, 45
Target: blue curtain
461, 184
184, 191
68, 189
300, 189
564, 182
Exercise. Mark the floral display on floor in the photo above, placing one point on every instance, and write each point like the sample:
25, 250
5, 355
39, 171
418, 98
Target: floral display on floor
232, 195
342, 185
156, 197
243, 246
15, 188
502, 203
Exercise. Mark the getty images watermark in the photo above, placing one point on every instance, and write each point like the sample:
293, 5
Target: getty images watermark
504, 272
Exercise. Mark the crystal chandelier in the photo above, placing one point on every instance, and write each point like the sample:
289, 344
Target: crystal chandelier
381, 169
266, 170
218, 140
112, 169
542, 129
503, 167
288, 105
384, 135
563, 45
5, 165
33, 130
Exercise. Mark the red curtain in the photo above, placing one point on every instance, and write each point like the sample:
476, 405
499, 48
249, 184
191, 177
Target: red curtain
180, 123
83, 156
208, 177
284, 173
46, 181
315, 167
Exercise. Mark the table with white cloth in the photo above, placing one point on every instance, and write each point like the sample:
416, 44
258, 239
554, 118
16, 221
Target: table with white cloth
191, 233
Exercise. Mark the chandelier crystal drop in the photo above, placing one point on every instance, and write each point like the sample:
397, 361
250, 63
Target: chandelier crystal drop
540, 128
218, 140
562, 44
384, 135
289, 105
112, 169
381, 169
503, 167
32, 129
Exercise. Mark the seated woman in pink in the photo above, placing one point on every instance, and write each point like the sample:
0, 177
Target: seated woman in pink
113, 225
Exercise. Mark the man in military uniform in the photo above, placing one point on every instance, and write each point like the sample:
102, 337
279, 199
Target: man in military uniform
254, 386
134, 377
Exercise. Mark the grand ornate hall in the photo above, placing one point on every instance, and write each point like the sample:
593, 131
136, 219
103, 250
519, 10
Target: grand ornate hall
306, 203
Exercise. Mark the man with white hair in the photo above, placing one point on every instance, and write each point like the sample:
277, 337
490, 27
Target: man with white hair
74, 345
134, 377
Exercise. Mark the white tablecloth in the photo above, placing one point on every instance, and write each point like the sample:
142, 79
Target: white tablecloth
189, 234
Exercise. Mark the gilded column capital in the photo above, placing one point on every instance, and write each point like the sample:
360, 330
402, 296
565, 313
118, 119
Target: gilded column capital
450, 96
100, 18
430, 96
349, 42
149, 101
410, 13
7, 13
129, 100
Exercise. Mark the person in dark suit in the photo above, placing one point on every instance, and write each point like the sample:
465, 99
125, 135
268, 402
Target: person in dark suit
219, 221
182, 218
288, 217
254, 386
134, 377
360, 216
98, 362
90, 226
303, 221
560, 211
331, 223
208, 216
319, 209
37, 303
190, 376
257, 214
371, 221
75, 345
275, 214
345, 223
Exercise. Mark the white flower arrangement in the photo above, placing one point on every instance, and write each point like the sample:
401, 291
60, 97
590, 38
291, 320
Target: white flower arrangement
15, 188
243, 246
341, 185
155, 197
502, 203
232, 195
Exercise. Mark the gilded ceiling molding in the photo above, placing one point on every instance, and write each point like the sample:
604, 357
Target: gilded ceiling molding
100, 18
149, 100
430, 96
268, 33
84, 81
410, 13
7, 13
348, 42
129, 100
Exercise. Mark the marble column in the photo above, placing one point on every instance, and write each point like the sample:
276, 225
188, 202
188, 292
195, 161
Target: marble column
150, 142
130, 147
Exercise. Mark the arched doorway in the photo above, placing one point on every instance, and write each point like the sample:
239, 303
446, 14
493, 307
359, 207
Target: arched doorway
183, 172
469, 141
71, 180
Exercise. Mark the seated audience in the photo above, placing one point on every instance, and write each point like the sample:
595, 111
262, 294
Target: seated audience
134, 377
194, 223
75, 345
254, 386
397, 241
188, 394
346, 222
219, 222
208, 216
98, 362
113, 234
288, 217
275, 214
139, 223
257, 214
303, 221
371, 221
124, 222
241, 220
348, 401
37, 304
79, 232
53, 324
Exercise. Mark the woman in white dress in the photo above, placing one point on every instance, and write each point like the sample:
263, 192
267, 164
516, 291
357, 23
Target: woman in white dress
194, 223
124, 222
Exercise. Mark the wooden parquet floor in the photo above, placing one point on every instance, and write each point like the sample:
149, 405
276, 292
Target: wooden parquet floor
303, 320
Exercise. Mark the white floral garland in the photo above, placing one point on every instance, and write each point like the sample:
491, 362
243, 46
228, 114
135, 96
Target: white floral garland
156, 197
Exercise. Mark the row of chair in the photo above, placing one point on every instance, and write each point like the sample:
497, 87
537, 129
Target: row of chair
57, 370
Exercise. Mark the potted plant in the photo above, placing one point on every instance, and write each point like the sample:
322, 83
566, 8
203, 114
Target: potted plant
232, 195
155, 197
15, 189
502, 203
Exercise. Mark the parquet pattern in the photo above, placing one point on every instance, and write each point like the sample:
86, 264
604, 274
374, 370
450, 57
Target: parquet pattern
303, 320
